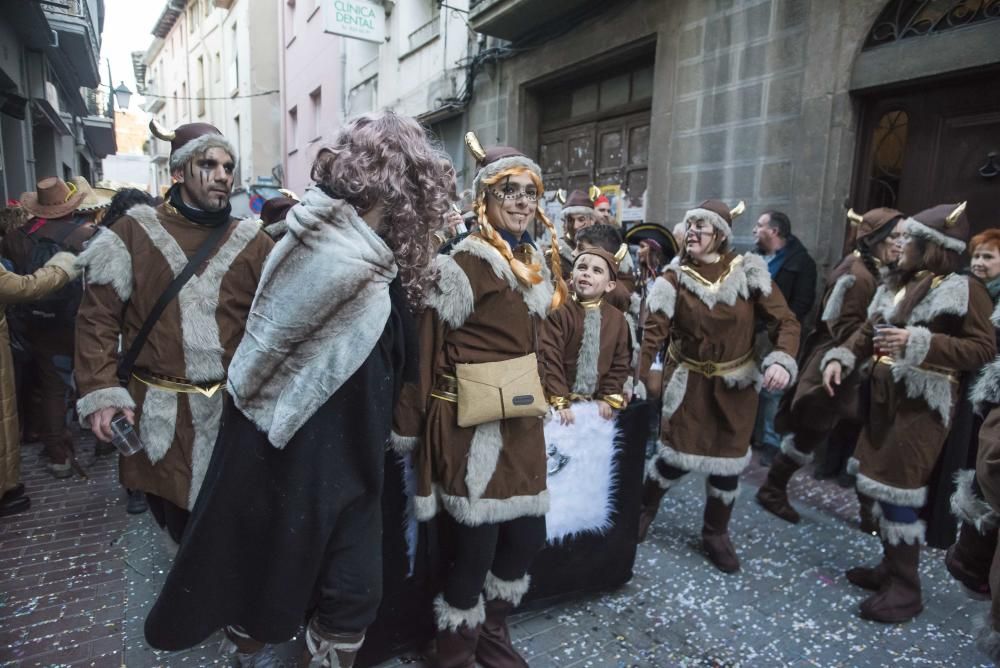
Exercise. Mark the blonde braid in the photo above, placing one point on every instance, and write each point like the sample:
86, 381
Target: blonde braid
561, 292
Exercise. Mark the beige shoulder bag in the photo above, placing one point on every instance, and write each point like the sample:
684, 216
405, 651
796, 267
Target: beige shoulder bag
499, 390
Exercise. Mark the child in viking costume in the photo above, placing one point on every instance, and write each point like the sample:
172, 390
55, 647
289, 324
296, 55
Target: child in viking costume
809, 414
933, 324
585, 344
703, 309
479, 454
969, 559
288, 526
609, 239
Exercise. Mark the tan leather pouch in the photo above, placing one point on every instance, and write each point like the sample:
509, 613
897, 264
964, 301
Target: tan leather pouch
499, 390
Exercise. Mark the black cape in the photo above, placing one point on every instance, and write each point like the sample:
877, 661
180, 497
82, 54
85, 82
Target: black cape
258, 533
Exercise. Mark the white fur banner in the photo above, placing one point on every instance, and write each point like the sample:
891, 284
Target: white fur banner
581, 491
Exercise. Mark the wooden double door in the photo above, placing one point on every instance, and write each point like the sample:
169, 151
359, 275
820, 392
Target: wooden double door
930, 145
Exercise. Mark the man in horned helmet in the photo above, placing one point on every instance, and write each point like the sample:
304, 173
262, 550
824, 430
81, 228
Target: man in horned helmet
175, 282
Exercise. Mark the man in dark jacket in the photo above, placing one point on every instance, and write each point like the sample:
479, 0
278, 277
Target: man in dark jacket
794, 272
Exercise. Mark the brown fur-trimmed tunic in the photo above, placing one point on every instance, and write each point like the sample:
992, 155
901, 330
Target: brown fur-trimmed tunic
564, 353
913, 398
127, 268
707, 313
477, 312
808, 413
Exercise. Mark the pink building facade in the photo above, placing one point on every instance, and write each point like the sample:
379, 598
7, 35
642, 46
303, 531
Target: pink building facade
312, 74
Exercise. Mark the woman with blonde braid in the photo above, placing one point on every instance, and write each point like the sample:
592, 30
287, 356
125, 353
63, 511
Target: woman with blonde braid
489, 476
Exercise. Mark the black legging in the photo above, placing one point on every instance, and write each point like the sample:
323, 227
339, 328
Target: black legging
726, 483
505, 549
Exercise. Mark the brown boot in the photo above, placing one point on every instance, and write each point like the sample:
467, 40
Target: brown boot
871, 579
329, 648
652, 491
494, 649
773, 494
969, 559
899, 599
457, 635
715, 532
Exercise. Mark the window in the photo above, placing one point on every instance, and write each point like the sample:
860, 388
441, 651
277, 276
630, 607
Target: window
200, 74
888, 144
293, 130
238, 140
316, 99
234, 84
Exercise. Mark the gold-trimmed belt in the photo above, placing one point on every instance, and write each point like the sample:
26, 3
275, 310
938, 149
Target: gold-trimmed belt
708, 367
445, 388
174, 384
950, 374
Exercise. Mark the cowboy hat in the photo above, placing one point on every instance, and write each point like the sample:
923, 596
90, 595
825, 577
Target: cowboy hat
93, 198
54, 198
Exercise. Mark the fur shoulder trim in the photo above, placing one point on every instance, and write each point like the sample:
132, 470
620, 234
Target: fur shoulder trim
995, 316
985, 391
835, 302
537, 297
758, 276
662, 297
107, 261
950, 297
451, 295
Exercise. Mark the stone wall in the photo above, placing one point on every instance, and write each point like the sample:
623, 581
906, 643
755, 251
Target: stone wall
750, 102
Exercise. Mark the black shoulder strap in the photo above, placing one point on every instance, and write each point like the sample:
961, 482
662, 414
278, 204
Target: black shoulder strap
126, 363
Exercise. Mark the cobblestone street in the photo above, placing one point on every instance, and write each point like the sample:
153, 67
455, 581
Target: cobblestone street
80, 575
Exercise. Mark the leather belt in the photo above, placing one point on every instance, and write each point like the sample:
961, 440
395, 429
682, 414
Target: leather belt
445, 388
951, 374
174, 384
708, 367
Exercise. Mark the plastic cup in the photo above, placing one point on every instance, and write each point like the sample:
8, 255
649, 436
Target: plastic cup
124, 436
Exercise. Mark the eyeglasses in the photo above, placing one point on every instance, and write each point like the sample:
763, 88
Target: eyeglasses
511, 193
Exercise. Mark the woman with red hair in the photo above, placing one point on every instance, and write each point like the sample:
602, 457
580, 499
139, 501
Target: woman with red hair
969, 559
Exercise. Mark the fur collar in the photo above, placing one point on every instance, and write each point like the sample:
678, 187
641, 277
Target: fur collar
538, 297
746, 272
949, 297
301, 345
451, 295
995, 316
590, 352
835, 302
107, 261
662, 297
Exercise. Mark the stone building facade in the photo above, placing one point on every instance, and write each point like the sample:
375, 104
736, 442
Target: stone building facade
786, 104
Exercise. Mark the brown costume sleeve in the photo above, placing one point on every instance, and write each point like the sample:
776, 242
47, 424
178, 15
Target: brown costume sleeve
613, 381
411, 411
15, 288
773, 310
660, 302
552, 340
854, 312
98, 325
970, 350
